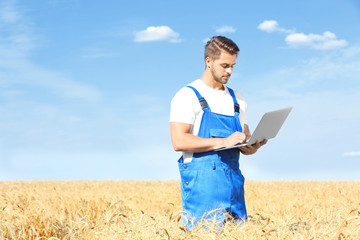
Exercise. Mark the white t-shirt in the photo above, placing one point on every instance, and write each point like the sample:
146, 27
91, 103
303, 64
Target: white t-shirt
185, 107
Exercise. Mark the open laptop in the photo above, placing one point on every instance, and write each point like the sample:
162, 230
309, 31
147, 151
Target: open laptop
267, 128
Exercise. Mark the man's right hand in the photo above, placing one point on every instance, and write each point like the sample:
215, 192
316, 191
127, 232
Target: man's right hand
235, 138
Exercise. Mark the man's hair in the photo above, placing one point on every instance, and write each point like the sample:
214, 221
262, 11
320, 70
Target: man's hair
217, 43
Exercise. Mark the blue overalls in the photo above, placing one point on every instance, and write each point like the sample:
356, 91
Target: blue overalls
213, 180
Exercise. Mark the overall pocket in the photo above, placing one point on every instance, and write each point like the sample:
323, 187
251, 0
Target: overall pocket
188, 179
220, 133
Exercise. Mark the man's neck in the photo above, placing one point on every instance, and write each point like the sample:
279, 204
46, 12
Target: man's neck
209, 81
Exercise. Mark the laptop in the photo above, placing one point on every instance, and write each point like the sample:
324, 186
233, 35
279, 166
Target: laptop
267, 128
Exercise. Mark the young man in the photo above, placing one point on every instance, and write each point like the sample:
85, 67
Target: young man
204, 116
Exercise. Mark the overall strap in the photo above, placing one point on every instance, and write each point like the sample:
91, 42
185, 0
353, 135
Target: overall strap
202, 101
236, 105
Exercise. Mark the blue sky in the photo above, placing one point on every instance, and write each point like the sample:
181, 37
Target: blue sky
85, 86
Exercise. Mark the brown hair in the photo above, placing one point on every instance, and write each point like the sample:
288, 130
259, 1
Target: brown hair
217, 43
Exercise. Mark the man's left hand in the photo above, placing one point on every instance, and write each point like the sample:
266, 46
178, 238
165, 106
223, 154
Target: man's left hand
251, 149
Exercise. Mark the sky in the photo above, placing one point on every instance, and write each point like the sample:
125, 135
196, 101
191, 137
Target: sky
86, 86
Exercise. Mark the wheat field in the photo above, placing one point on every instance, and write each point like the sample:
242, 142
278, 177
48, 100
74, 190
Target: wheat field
152, 210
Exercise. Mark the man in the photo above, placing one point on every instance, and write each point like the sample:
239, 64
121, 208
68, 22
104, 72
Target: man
204, 116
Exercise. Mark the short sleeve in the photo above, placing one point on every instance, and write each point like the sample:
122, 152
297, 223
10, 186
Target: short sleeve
184, 106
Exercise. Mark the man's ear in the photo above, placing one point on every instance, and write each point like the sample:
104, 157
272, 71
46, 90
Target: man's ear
208, 60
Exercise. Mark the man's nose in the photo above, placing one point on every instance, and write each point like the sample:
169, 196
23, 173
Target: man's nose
229, 70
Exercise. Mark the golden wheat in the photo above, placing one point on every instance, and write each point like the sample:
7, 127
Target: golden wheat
152, 210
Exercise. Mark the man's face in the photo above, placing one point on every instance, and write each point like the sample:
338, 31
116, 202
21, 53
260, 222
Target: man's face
221, 68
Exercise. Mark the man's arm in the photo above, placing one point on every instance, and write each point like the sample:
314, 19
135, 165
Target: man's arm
183, 140
250, 149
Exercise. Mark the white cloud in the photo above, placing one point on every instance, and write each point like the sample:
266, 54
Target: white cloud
272, 26
159, 33
326, 41
351, 154
225, 29
268, 26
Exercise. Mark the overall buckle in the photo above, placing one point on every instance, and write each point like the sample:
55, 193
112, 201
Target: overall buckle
203, 103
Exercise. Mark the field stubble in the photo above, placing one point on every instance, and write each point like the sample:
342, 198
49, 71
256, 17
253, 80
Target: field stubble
152, 210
